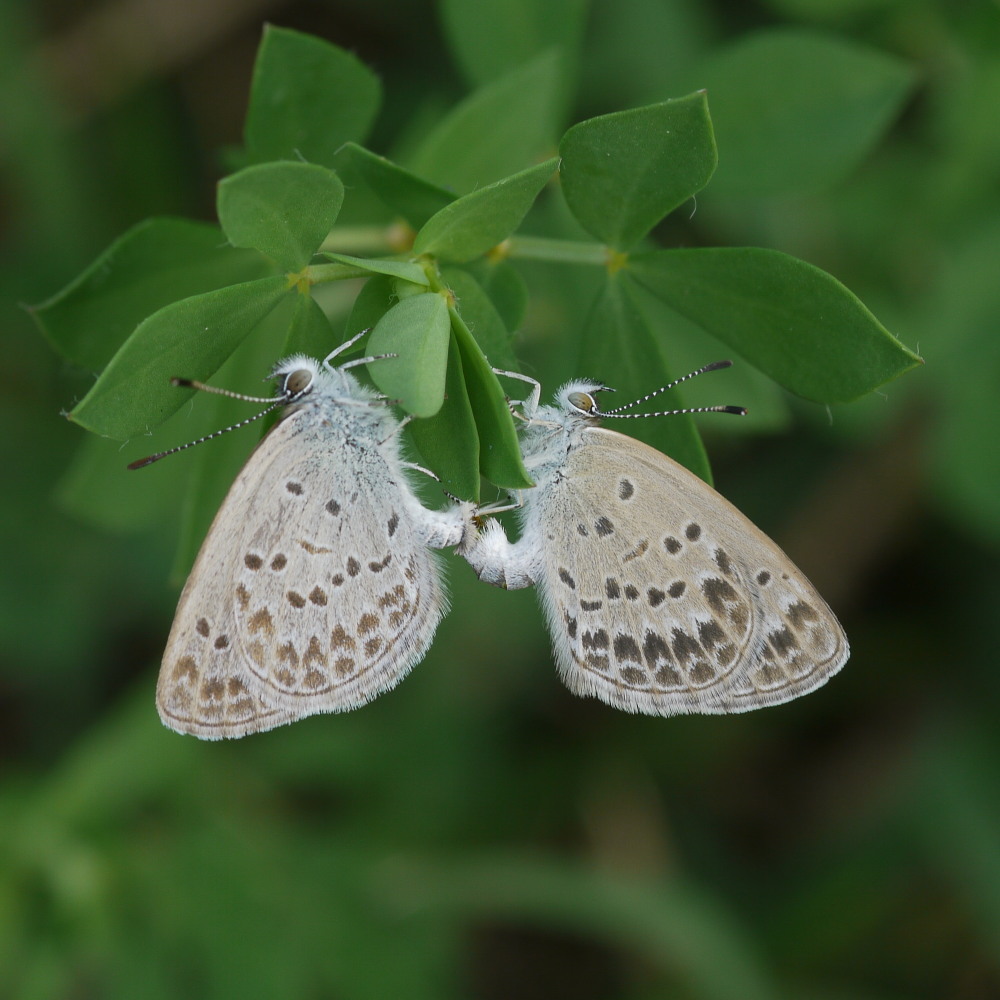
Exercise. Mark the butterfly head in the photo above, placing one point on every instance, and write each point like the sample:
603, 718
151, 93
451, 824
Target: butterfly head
296, 377
580, 398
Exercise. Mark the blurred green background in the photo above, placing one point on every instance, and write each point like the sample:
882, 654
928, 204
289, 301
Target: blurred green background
479, 832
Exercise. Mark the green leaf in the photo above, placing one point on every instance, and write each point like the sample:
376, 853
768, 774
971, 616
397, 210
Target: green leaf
190, 338
96, 489
415, 199
284, 210
309, 332
622, 173
374, 300
481, 317
153, 264
618, 348
499, 451
477, 222
307, 99
505, 287
448, 442
402, 269
496, 130
416, 331
790, 319
796, 110
487, 39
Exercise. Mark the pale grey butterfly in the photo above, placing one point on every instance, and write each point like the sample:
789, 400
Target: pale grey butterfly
315, 589
660, 596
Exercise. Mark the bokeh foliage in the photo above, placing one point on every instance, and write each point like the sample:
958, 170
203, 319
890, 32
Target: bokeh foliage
479, 832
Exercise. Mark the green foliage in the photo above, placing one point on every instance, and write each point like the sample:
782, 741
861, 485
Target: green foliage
415, 330
479, 832
822, 101
790, 319
284, 210
621, 174
307, 99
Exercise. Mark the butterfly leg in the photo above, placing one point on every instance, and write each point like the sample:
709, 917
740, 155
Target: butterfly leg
420, 468
529, 406
444, 529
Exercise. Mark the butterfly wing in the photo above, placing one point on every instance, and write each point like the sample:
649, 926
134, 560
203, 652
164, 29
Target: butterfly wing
312, 591
662, 598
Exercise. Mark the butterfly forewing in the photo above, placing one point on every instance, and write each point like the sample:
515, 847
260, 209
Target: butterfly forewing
662, 598
312, 592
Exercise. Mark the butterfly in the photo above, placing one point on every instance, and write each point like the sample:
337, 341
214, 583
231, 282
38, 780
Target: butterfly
660, 596
315, 589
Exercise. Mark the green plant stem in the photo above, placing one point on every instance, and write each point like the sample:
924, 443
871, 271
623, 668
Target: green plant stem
357, 240
556, 251
320, 274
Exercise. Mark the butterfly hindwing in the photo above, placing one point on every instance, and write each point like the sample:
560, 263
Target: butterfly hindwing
662, 598
312, 592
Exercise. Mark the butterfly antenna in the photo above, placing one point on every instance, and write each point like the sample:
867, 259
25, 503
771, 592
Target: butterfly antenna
189, 383
711, 367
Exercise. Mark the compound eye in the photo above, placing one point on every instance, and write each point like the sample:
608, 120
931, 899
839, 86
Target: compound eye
582, 401
298, 381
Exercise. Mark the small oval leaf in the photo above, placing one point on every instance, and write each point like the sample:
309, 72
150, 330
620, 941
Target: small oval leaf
190, 338
477, 222
285, 210
793, 321
621, 173
415, 331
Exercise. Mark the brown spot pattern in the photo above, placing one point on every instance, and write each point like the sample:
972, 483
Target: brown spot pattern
339, 639
261, 621
314, 654
626, 648
722, 561
367, 623
595, 640
185, 669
